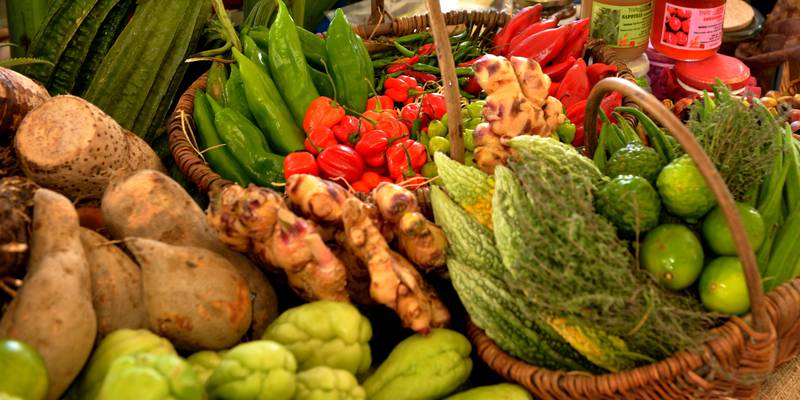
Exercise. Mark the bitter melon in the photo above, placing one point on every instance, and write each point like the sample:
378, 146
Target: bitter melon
469, 187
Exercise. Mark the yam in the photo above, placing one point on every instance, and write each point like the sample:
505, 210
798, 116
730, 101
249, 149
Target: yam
53, 311
149, 204
18, 96
16, 209
69, 145
192, 296
116, 285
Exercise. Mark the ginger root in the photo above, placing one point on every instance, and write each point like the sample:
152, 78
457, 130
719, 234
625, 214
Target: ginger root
316, 198
489, 151
395, 283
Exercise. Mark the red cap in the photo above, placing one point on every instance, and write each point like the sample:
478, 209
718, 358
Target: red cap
702, 74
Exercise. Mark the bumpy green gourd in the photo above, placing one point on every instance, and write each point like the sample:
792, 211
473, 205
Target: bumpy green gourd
118, 344
505, 391
147, 376
204, 363
422, 368
565, 158
470, 187
323, 383
259, 370
325, 333
509, 207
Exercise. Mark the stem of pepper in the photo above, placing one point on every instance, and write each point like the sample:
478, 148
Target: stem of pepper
314, 145
410, 171
330, 79
378, 106
229, 30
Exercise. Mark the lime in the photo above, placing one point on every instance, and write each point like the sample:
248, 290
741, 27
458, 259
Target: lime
475, 108
444, 120
472, 122
469, 139
437, 128
469, 159
673, 254
635, 159
424, 138
723, 287
438, 143
566, 132
718, 236
22, 371
630, 203
683, 190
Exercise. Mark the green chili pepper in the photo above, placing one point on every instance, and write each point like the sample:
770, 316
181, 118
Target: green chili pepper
600, 152
403, 50
247, 145
657, 137
214, 150
322, 82
298, 11
255, 53
313, 47
287, 64
628, 132
458, 37
217, 75
383, 62
466, 95
437, 71
268, 108
260, 35
234, 94
615, 139
412, 37
346, 64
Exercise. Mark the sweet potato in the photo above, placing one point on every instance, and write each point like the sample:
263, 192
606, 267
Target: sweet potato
192, 296
116, 285
149, 204
70, 145
16, 209
53, 311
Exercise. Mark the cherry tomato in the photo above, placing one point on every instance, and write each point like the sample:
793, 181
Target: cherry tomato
675, 24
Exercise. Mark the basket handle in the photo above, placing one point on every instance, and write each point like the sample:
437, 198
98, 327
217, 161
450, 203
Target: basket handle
377, 11
444, 54
675, 127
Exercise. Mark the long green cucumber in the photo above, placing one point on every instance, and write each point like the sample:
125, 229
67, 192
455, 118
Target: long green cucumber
170, 75
106, 35
129, 71
785, 253
62, 80
55, 35
770, 203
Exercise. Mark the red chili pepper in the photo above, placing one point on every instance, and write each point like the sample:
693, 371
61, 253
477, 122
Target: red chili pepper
556, 71
575, 86
522, 19
553, 89
323, 111
531, 30
543, 46
360, 186
371, 179
405, 157
402, 64
376, 161
472, 87
598, 71
397, 89
435, 105
426, 49
575, 41
411, 112
373, 147
422, 77
340, 161
348, 130
319, 137
392, 127
470, 62
386, 103
609, 103
299, 162
575, 115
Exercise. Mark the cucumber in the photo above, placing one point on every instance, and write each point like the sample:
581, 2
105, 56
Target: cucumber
111, 28
62, 80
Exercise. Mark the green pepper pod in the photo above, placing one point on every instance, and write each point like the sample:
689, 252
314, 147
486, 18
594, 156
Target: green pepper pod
268, 108
347, 67
255, 53
287, 63
247, 145
313, 47
234, 94
217, 77
322, 82
260, 36
214, 151
657, 137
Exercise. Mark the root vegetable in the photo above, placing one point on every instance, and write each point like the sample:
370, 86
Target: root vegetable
116, 285
357, 274
534, 83
16, 209
53, 311
192, 296
489, 152
19, 95
394, 282
70, 145
316, 198
149, 204
249, 213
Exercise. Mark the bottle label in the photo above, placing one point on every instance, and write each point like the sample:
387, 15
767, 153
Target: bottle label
692, 28
621, 26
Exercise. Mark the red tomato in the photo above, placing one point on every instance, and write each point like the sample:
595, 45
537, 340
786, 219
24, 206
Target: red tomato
683, 13
685, 25
675, 24
681, 38
669, 38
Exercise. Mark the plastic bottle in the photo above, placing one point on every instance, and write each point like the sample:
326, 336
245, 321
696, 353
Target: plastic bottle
624, 24
687, 30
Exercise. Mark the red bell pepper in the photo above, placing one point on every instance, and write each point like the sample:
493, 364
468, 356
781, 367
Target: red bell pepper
576, 40
349, 130
543, 46
575, 115
402, 88
386, 103
422, 77
319, 138
340, 161
531, 30
405, 157
426, 49
323, 111
299, 162
372, 147
393, 127
412, 112
522, 19
402, 64
371, 179
435, 105
472, 87
575, 86
609, 103
553, 89
360, 186
556, 71
598, 71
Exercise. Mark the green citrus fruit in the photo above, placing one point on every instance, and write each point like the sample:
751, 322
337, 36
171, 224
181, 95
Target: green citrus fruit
718, 236
635, 159
673, 254
723, 287
629, 202
22, 371
683, 190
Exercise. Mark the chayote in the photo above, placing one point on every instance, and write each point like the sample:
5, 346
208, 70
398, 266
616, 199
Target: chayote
504, 391
325, 333
146, 376
422, 368
204, 363
259, 370
324, 383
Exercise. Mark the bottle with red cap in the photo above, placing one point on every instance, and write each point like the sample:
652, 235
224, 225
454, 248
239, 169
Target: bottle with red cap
694, 77
687, 29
